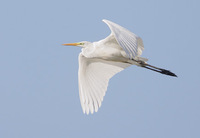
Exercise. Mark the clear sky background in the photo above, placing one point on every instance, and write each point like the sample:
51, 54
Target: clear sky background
39, 77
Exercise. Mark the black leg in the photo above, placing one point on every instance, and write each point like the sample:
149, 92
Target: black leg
153, 68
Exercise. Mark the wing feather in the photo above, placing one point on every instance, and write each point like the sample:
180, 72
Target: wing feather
131, 43
94, 75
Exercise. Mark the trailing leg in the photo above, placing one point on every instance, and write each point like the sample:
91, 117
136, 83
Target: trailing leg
153, 68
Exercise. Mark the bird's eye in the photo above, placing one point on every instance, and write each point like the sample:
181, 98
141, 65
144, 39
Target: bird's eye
81, 43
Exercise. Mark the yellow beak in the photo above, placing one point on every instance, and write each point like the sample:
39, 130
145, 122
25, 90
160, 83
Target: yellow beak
71, 44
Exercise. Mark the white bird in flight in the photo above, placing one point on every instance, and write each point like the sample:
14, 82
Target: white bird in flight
100, 61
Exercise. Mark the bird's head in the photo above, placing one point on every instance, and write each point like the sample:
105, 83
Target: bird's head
82, 44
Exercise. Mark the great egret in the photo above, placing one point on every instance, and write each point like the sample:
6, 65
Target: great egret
99, 61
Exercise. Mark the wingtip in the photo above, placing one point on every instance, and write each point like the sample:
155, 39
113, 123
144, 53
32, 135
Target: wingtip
104, 20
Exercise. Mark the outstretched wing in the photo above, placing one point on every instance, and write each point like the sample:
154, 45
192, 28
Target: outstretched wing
94, 75
131, 43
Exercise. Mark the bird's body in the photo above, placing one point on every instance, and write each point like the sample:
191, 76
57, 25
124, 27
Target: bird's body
101, 60
106, 49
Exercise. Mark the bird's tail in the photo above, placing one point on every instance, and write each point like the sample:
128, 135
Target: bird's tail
153, 68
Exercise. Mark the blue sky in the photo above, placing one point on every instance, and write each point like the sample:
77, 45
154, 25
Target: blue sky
39, 77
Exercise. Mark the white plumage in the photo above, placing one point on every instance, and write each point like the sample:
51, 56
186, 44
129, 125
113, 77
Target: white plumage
94, 75
100, 61
131, 43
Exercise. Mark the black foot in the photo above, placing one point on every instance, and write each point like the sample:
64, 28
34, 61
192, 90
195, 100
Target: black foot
167, 72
